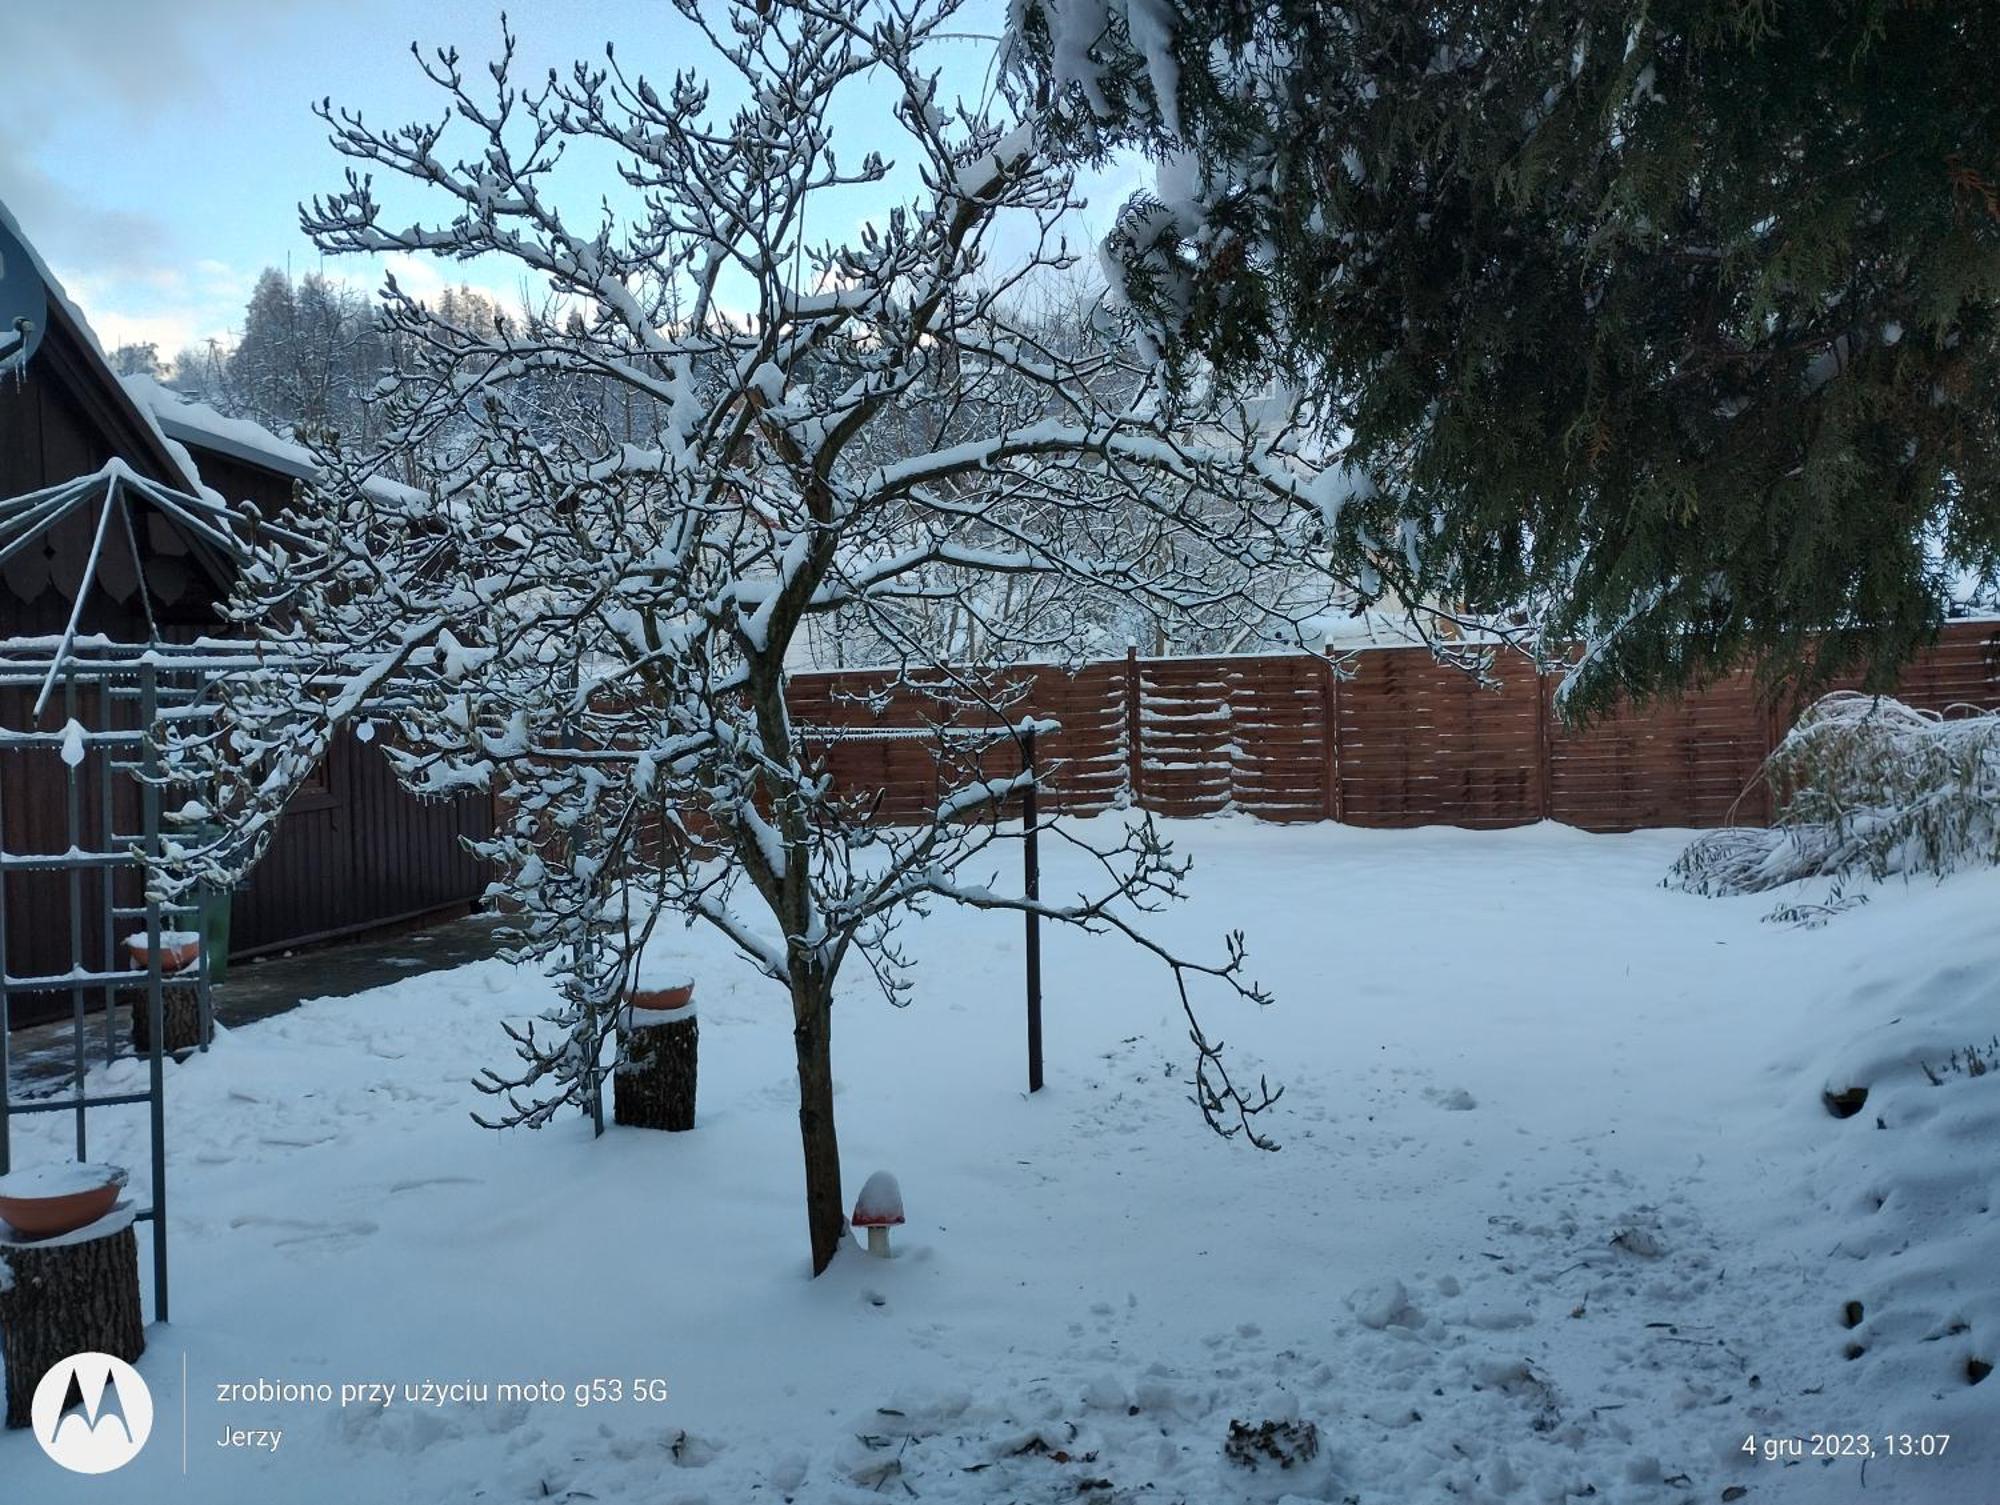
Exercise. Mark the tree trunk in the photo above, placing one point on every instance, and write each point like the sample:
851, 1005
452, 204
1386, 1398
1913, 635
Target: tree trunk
812, 1017
654, 1085
180, 1008
65, 1299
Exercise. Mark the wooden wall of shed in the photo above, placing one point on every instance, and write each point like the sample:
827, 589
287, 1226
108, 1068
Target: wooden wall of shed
237, 482
35, 788
356, 852
51, 432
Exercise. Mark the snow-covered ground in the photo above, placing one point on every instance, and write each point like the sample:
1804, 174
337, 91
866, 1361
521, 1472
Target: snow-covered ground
1560, 1214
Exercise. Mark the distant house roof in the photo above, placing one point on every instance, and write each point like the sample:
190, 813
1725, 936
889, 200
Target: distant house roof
191, 422
195, 423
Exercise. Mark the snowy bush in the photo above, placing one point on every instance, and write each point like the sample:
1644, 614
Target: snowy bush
1863, 784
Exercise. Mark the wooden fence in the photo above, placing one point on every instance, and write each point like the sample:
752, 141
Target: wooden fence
1396, 740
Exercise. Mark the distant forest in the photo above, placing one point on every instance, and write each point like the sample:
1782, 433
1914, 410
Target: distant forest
309, 353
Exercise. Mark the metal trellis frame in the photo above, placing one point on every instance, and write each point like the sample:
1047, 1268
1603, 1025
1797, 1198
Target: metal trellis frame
114, 698
101, 868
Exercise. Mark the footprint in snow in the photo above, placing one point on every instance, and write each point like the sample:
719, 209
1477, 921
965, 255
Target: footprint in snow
295, 1231
427, 1181
1456, 1100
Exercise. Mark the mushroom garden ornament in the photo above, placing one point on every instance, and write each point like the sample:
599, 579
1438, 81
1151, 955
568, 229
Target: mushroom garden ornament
878, 1209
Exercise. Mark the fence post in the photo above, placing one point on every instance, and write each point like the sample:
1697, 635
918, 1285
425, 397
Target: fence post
1031, 860
155, 1000
1774, 733
1329, 707
1544, 777
1134, 757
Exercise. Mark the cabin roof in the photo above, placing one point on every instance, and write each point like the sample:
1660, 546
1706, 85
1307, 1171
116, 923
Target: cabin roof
72, 346
101, 528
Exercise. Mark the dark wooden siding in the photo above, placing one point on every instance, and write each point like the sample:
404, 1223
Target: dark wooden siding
358, 852
237, 482
34, 804
353, 853
355, 850
56, 425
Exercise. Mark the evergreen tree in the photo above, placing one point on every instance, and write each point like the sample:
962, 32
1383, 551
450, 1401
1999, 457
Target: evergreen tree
1678, 316
311, 352
140, 358
261, 383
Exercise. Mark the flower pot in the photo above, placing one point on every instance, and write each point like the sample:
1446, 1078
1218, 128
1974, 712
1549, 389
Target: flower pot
58, 1199
674, 996
179, 950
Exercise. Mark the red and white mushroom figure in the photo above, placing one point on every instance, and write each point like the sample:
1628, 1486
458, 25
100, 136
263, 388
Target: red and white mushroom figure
878, 1209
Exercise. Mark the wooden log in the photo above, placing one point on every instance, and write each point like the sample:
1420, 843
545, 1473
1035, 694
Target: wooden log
180, 1012
78, 1293
654, 1085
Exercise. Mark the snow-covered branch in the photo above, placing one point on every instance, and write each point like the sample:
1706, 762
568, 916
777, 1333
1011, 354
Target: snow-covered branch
712, 432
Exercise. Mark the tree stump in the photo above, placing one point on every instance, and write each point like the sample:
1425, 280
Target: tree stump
654, 1085
78, 1293
180, 1009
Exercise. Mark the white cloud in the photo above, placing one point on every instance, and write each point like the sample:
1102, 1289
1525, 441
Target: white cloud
168, 310
128, 59
137, 54
419, 276
170, 332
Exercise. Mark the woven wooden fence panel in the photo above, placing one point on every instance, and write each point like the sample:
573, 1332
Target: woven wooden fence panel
1393, 738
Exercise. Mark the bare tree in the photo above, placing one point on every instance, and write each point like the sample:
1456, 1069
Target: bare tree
596, 627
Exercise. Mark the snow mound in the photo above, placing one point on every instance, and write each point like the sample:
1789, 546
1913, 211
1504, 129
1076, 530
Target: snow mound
1384, 1304
1908, 1185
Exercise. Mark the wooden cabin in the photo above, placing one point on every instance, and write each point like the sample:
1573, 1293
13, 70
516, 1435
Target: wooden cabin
355, 852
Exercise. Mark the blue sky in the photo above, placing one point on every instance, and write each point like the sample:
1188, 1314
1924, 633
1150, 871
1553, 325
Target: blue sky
156, 150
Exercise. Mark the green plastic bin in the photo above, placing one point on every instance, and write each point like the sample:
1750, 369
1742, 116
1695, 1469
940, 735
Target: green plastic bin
211, 916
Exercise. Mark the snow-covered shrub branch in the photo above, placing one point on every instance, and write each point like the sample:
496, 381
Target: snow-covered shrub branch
1864, 784
594, 620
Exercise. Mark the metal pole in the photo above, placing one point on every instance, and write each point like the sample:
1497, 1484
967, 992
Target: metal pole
1135, 716
587, 959
1031, 860
149, 805
107, 828
73, 815
595, 1036
6, 999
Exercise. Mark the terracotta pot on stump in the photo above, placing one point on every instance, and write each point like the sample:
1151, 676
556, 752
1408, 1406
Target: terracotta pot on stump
72, 1282
180, 999
654, 1086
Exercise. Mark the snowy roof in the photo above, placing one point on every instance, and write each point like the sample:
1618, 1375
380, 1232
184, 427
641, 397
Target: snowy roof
194, 422
62, 309
176, 421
